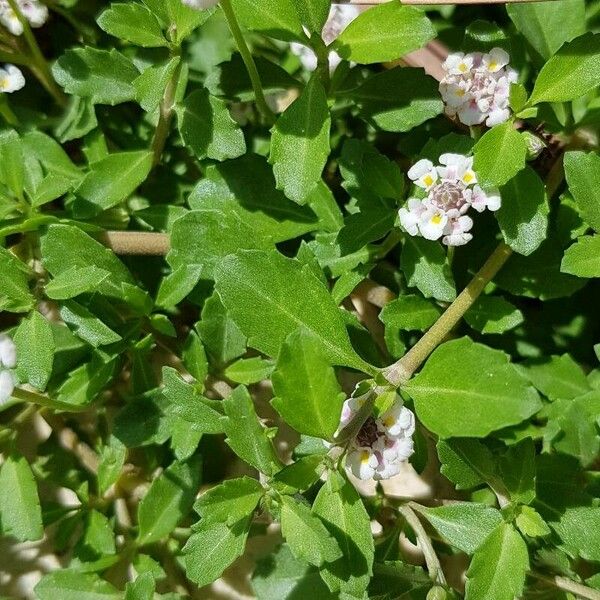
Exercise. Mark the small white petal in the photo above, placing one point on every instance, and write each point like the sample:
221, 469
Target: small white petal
432, 224
362, 463
7, 385
8, 352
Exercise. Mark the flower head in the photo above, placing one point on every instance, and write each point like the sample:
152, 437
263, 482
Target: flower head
8, 361
452, 189
476, 87
201, 4
34, 11
11, 79
340, 16
382, 443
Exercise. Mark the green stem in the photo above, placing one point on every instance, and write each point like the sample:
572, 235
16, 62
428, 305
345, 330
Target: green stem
40, 66
7, 113
45, 401
163, 126
568, 585
401, 371
322, 52
234, 26
431, 560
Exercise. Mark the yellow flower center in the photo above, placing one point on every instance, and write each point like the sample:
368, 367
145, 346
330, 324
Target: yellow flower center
365, 457
462, 67
493, 65
436, 219
4, 83
428, 180
468, 177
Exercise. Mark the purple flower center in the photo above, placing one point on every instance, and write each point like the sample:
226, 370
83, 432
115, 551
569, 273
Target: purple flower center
369, 433
448, 195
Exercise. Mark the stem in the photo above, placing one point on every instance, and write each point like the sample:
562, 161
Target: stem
45, 401
40, 66
568, 585
401, 371
136, 242
234, 26
322, 52
163, 126
6, 111
431, 560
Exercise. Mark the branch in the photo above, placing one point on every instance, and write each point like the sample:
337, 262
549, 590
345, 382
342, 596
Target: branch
568, 585
401, 371
136, 242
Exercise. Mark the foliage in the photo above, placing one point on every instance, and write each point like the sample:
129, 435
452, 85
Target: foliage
213, 301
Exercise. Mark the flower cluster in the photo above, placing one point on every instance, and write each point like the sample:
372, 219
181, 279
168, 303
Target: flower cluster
201, 4
451, 190
382, 443
340, 16
11, 79
476, 87
8, 361
35, 12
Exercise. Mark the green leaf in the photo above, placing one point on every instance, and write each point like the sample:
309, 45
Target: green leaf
583, 257
493, 314
275, 18
530, 523
104, 77
517, 469
35, 349
265, 287
579, 529
230, 501
557, 377
383, 33
75, 281
487, 393
538, 275
112, 180
134, 23
408, 581
523, 216
245, 435
307, 393
388, 99
342, 511
14, 284
464, 525
184, 402
222, 232
300, 475
68, 584
306, 535
168, 500
178, 284
86, 325
499, 155
20, 512
582, 173
141, 589
150, 86
212, 548
300, 143
426, 267
410, 313
313, 13
547, 25
250, 370
499, 566
281, 576
221, 337
207, 128
12, 162
572, 72
112, 459
466, 462
244, 189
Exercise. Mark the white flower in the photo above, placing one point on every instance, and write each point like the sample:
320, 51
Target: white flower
382, 443
423, 173
481, 200
11, 79
476, 87
340, 16
8, 352
442, 214
9, 19
201, 4
8, 360
362, 462
8, 381
456, 231
410, 216
433, 223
